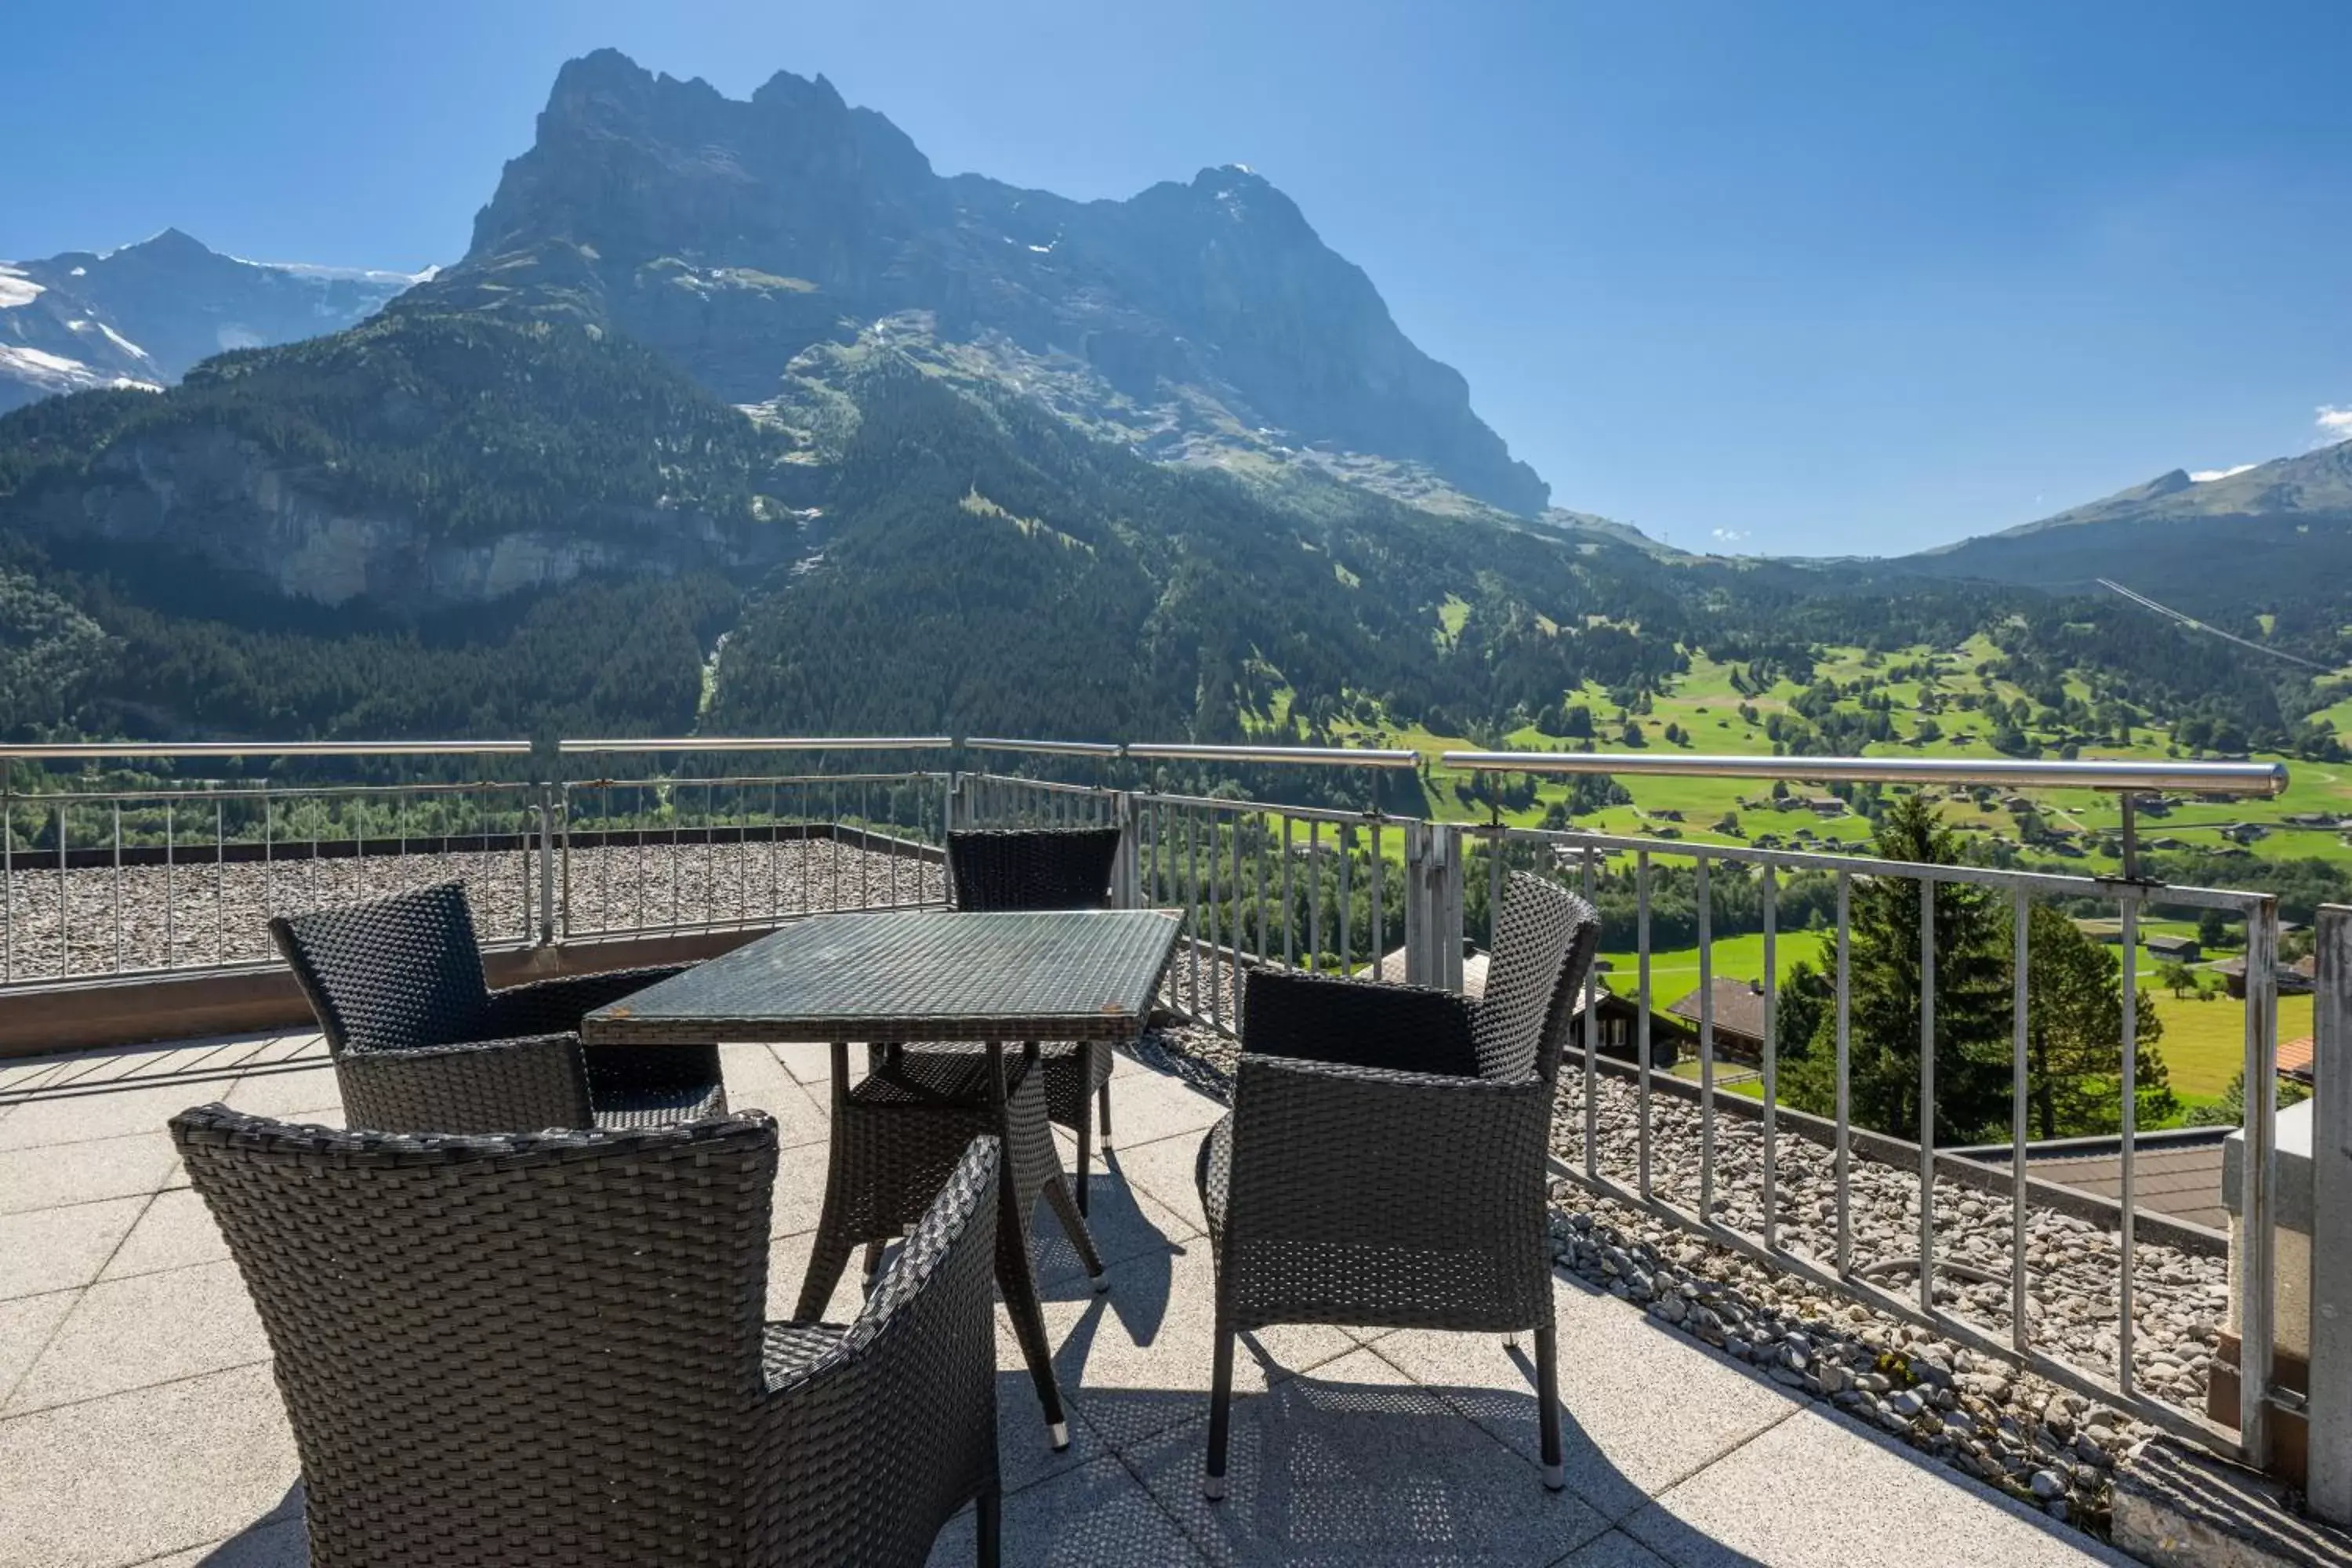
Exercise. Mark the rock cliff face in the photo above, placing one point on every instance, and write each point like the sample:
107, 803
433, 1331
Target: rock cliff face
1201, 321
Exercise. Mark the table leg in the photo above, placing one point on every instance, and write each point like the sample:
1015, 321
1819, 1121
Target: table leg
830, 1254
1068, 1210
1086, 1049
1015, 1275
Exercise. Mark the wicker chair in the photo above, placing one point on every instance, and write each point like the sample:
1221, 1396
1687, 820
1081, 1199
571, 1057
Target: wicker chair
549, 1347
1384, 1162
422, 1043
1045, 868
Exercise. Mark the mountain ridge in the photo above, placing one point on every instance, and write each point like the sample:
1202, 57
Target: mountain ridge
1201, 322
143, 315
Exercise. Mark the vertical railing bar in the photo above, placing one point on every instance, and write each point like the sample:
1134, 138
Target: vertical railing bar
833, 846
775, 850
807, 793
1379, 944
1346, 895
1772, 1055
2020, 1331
118, 883
268, 857
1843, 1156
1705, 1042
2130, 1131
1642, 1067
1234, 973
1217, 998
171, 891
1315, 896
1263, 839
1289, 904
220, 887
865, 845
1494, 891
1592, 1000
65, 923
1192, 907
1926, 1094
8, 894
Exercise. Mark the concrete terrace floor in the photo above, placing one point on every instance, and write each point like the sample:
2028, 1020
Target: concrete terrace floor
139, 1423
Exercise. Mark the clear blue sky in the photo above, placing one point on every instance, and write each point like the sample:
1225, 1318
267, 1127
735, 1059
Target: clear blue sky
1822, 276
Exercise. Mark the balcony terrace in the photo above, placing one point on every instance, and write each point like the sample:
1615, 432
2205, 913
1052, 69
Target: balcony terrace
1757, 1368
138, 1424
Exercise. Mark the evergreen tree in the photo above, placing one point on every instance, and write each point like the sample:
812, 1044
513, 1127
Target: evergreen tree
1971, 1042
2074, 1036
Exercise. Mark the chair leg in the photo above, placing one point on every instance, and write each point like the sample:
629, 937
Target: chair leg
988, 1523
874, 1250
1102, 1115
1086, 1150
1555, 1468
1221, 1405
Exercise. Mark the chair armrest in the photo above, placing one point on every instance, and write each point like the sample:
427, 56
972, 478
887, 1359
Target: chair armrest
1365, 1023
877, 1434
524, 1084
1332, 1153
545, 1006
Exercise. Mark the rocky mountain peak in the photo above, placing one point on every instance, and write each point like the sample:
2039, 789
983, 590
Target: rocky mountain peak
1200, 322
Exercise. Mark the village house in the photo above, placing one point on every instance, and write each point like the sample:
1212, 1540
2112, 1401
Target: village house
1738, 1015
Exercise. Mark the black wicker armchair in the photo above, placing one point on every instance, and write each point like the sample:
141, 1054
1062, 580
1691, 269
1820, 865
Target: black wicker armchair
422, 1043
1045, 868
549, 1347
1384, 1163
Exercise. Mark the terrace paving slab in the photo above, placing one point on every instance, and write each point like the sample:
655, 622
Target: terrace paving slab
1355, 1463
1644, 1406
122, 1480
143, 1425
176, 1231
25, 1326
63, 1248
1817, 1488
1094, 1516
146, 1330
84, 1173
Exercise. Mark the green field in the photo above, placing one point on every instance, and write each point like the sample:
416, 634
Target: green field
1703, 708
1673, 972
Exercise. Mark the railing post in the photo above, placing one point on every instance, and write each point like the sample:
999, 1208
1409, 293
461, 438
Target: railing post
1127, 871
2329, 1402
1433, 905
2257, 1279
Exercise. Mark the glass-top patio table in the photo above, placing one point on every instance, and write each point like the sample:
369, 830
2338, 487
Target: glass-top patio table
903, 976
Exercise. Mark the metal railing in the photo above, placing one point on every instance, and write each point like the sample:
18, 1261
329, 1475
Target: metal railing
103, 877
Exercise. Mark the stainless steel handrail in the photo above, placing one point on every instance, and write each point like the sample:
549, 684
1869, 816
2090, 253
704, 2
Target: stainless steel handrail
761, 743
1320, 756
68, 751
2127, 778
1049, 748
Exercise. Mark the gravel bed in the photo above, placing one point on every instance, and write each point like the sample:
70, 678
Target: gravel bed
2050, 1447
144, 917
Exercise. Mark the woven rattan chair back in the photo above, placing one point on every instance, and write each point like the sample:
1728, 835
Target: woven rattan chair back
1543, 946
1033, 867
393, 972
490, 1345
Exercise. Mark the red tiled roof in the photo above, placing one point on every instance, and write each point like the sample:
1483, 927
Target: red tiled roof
2295, 1057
